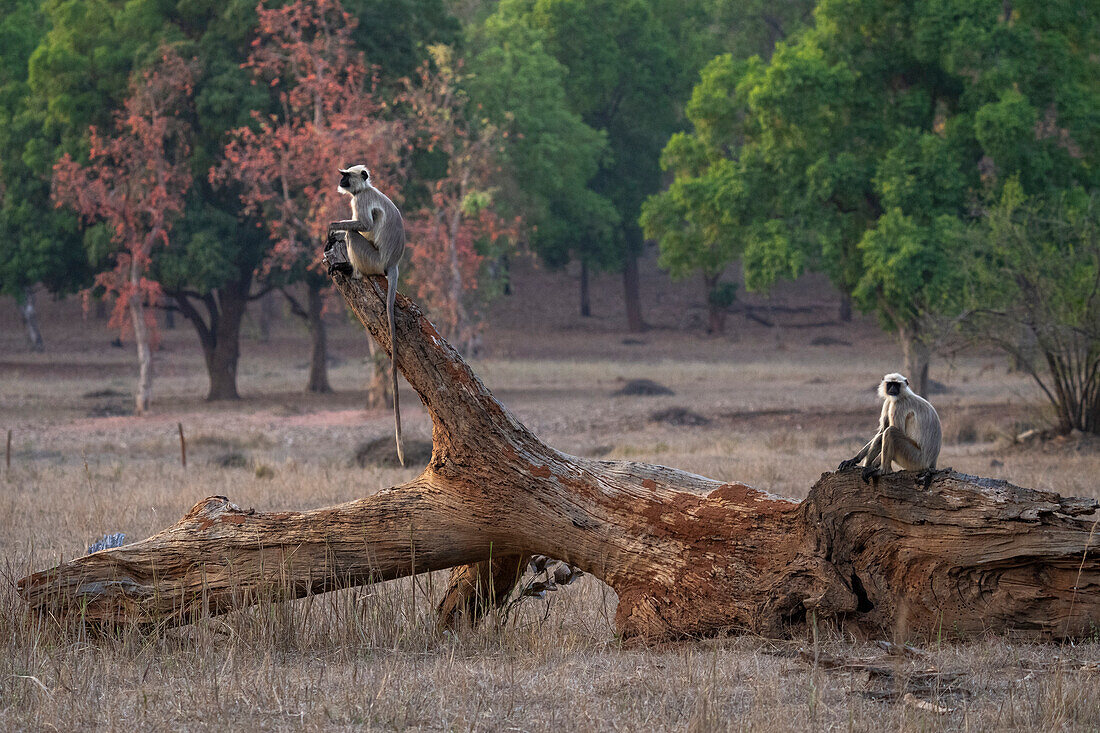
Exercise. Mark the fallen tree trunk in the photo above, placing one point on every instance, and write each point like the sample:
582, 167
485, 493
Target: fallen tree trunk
687, 555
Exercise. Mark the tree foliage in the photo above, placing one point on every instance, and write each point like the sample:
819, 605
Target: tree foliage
1035, 287
704, 219
67, 67
548, 153
870, 140
41, 243
459, 213
285, 164
712, 211
624, 77
135, 183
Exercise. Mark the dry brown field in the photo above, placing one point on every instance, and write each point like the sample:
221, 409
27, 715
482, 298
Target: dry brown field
781, 404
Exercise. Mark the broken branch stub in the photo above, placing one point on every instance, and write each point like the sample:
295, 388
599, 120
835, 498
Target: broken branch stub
687, 555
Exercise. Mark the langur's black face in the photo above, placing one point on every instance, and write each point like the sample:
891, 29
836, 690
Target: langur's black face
893, 388
354, 179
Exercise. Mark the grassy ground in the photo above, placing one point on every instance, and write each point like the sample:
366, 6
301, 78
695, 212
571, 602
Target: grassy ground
780, 411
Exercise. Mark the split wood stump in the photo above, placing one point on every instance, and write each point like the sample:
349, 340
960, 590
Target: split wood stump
688, 556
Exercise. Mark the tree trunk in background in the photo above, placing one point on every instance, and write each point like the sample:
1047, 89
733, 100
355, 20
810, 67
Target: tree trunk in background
318, 363
219, 332
845, 308
687, 556
632, 294
917, 357
378, 389
30, 319
144, 393
169, 313
225, 352
716, 312
462, 328
586, 305
267, 317
506, 273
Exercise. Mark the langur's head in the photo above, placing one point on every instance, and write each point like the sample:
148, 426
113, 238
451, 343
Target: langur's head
353, 179
893, 385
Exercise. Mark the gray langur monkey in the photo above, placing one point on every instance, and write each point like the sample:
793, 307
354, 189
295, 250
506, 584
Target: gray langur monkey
376, 241
908, 434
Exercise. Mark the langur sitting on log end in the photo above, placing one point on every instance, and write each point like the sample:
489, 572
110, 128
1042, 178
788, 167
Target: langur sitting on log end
908, 434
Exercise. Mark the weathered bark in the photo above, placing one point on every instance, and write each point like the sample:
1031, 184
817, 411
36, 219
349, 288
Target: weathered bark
687, 555
30, 319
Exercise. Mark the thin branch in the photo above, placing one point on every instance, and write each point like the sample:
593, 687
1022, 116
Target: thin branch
295, 307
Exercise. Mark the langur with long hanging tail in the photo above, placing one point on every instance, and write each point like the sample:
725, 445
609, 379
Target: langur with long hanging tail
376, 241
909, 433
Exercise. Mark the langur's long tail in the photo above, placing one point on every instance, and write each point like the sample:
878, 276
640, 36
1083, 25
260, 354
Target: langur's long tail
391, 296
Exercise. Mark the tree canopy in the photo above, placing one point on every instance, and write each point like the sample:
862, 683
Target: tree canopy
871, 139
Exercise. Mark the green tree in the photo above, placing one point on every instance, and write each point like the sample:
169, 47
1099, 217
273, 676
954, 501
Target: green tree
40, 244
624, 78
1035, 288
76, 76
702, 221
709, 214
549, 154
395, 35
876, 135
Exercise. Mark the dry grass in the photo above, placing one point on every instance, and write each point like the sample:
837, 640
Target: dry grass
781, 412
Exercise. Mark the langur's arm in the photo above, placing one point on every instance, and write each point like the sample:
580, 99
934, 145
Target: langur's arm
862, 453
911, 415
870, 447
351, 225
867, 448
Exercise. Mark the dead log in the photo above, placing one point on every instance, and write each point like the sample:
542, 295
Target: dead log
687, 555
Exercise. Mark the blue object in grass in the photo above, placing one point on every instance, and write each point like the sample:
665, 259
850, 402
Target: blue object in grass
108, 541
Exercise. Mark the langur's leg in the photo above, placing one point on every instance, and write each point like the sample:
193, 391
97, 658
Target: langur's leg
928, 475
874, 457
367, 260
854, 461
904, 451
898, 448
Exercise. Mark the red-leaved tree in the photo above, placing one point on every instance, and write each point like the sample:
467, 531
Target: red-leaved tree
135, 182
444, 234
328, 117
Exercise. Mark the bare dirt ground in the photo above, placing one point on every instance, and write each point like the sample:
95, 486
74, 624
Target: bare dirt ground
772, 406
